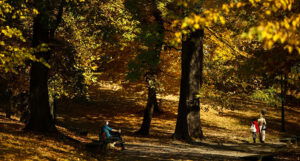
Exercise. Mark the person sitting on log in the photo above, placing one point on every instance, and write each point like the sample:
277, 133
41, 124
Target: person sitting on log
111, 135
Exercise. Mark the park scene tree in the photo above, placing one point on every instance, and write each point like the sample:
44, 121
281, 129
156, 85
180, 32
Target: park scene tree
181, 79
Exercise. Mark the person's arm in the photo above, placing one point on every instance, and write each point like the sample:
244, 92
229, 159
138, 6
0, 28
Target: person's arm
116, 130
109, 128
113, 130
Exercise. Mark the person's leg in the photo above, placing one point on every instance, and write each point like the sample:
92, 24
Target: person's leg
263, 136
254, 137
117, 139
260, 134
116, 136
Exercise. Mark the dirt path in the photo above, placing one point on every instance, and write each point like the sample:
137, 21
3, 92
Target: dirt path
126, 112
139, 148
177, 150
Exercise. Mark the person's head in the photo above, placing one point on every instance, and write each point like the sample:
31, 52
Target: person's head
261, 115
104, 123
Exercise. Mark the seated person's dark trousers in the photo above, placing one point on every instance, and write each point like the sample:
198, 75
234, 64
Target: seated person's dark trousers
116, 136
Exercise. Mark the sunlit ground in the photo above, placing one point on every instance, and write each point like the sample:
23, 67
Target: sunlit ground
125, 111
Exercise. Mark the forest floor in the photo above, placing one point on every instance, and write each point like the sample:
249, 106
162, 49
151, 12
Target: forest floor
227, 135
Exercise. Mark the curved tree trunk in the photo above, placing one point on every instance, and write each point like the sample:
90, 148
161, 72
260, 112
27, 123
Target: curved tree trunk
157, 26
188, 123
151, 103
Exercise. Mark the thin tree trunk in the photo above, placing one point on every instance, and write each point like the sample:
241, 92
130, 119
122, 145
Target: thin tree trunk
188, 123
158, 46
145, 127
152, 105
283, 99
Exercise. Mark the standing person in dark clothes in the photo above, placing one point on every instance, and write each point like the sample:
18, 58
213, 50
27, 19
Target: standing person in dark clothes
113, 135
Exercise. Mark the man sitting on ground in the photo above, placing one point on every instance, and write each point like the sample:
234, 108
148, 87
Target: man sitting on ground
111, 135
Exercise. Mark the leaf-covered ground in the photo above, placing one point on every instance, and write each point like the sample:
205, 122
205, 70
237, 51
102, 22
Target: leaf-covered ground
227, 132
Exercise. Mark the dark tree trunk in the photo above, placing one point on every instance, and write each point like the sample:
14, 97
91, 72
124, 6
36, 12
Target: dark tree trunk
188, 123
41, 118
157, 27
9, 104
283, 100
158, 46
151, 103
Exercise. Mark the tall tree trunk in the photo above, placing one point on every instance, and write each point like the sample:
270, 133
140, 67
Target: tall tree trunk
151, 103
158, 46
40, 118
155, 26
188, 123
283, 99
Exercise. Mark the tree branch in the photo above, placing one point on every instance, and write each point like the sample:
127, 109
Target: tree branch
223, 41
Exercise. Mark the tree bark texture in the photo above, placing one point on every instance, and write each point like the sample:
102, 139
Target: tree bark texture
151, 103
155, 24
283, 100
188, 125
41, 118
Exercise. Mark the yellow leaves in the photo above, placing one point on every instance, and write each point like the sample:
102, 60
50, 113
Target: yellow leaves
298, 49
75, 1
274, 5
222, 20
266, 4
178, 34
269, 31
6, 32
269, 44
239, 4
12, 56
278, 4
289, 48
184, 25
22, 17
254, 2
35, 11
178, 37
276, 37
196, 26
286, 23
268, 12
283, 31
225, 7
10, 32
94, 67
208, 17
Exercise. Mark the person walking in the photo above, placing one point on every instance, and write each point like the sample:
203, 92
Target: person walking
262, 127
254, 129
